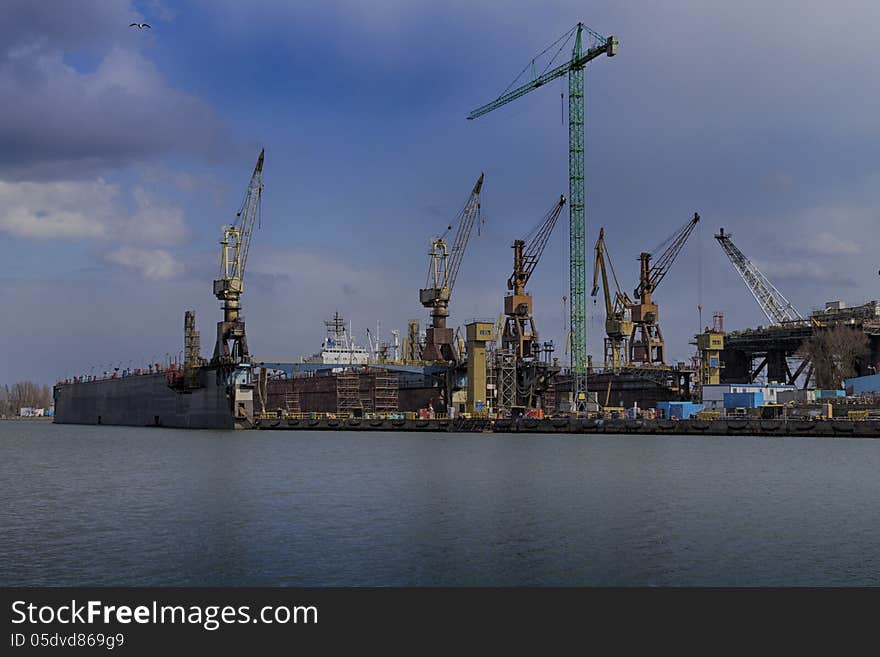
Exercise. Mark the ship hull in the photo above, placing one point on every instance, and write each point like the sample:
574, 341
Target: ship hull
147, 401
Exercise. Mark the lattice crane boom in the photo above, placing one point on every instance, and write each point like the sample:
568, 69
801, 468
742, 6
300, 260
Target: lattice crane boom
469, 215
660, 266
776, 308
520, 334
228, 287
574, 67
618, 326
236, 242
533, 247
442, 273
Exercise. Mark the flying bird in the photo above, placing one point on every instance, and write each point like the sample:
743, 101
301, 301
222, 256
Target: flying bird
141, 26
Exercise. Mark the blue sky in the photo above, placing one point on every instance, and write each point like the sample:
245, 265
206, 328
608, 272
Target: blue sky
125, 151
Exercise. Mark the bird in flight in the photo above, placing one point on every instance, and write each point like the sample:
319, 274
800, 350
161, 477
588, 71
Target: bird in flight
141, 26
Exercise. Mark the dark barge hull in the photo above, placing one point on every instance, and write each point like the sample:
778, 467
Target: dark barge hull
148, 401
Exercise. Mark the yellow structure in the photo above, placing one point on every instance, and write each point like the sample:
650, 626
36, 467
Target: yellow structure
478, 334
710, 343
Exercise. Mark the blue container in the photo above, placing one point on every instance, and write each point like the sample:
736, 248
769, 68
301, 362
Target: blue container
678, 410
743, 399
824, 394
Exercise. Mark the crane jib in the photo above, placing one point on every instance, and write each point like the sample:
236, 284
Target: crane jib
608, 47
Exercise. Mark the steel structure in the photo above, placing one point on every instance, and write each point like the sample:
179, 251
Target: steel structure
443, 270
234, 248
519, 332
776, 308
574, 67
646, 346
618, 322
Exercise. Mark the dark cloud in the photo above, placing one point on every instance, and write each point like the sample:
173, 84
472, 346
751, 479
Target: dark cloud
60, 122
62, 24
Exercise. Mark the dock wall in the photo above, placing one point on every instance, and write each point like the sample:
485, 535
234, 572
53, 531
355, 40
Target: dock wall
766, 428
145, 401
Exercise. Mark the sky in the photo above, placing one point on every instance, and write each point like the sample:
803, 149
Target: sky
124, 151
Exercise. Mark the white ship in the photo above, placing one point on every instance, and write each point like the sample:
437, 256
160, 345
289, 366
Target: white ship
339, 347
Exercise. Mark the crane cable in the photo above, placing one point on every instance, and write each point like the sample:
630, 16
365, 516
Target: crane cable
565, 36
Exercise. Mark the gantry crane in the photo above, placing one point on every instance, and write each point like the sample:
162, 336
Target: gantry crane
519, 333
234, 247
442, 272
574, 67
776, 308
646, 342
618, 322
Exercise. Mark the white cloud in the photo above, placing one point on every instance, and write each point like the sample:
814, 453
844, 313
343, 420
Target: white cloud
57, 210
804, 271
88, 210
154, 222
830, 244
151, 264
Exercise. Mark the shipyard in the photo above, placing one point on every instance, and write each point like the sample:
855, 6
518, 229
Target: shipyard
399, 300
799, 374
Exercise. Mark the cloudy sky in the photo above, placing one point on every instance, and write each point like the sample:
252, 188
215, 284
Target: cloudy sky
122, 152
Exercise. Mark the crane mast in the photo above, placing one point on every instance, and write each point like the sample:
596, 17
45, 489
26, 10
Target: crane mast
776, 308
228, 287
574, 67
618, 325
443, 270
646, 344
519, 334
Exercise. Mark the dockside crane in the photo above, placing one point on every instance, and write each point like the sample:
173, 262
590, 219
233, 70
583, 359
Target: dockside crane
519, 332
776, 308
442, 272
574, 68
646, 345
231, 346
618, 322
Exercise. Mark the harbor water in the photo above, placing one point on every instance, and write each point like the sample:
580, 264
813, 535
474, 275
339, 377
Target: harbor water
101, 505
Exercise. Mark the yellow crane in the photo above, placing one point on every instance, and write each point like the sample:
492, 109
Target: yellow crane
228, 287
618, 324
443, 270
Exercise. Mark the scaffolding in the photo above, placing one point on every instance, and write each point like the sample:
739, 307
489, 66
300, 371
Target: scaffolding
291, 398
348, 398
491, 379
506, 379
412, 349
192, 347
386, 391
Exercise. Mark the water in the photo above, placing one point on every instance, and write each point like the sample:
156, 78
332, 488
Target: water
128, 506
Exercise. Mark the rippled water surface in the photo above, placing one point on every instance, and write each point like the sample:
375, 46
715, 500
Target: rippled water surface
129, 506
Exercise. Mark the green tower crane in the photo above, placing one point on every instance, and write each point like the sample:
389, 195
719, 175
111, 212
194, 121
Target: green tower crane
577, 224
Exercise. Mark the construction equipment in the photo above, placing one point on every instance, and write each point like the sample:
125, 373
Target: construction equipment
710, 344
519, 333
574, 67
618, 322
443, 270
234, 247
776, 308
646, 345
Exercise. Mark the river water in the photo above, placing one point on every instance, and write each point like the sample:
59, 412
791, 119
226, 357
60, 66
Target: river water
82, 505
